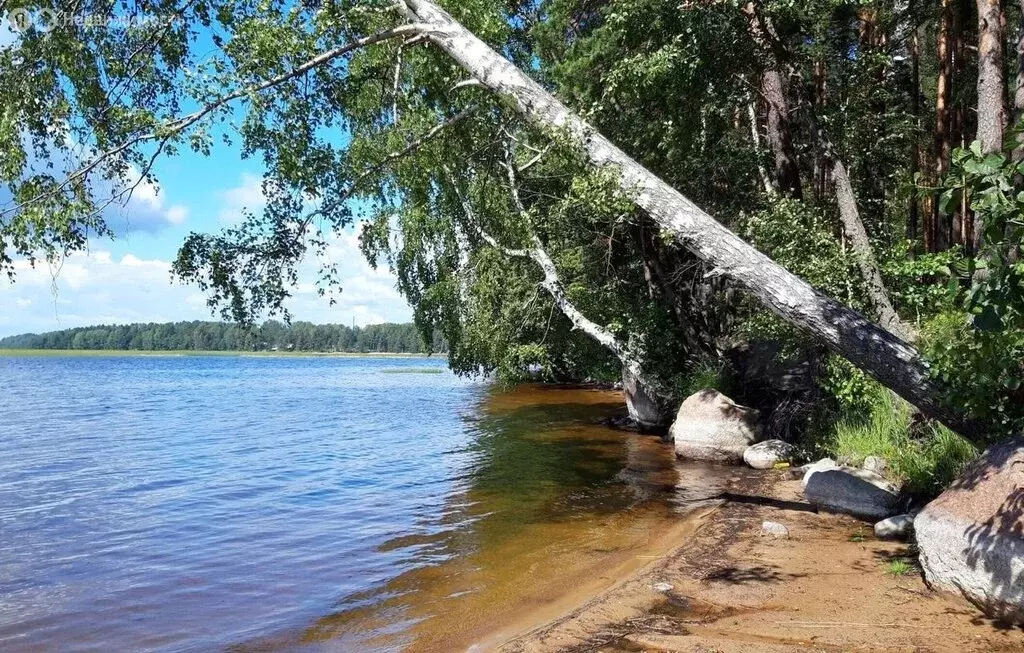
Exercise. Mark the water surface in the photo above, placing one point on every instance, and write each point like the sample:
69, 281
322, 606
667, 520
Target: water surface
233, 503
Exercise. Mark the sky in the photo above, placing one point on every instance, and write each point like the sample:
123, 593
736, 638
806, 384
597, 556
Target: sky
128, 279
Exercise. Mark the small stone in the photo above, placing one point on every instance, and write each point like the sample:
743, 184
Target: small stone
898, 527
774, 529
875, 465
662, 587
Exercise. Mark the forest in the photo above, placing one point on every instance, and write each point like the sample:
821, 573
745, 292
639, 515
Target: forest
817, 205
272, 335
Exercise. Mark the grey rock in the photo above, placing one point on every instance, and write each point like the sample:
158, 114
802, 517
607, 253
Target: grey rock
821, 465
767, 454
774, 529
875, 464
971, 538
898, 527
851, 491
711, 426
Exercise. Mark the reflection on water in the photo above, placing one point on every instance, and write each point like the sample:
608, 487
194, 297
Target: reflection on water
314, 504
550, 504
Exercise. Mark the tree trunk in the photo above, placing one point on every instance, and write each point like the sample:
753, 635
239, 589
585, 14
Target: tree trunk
849, 215
886, 357
1018, 92
933, 233
787, 174
913, 213
645, 400
991, 86
755, 136
819, 75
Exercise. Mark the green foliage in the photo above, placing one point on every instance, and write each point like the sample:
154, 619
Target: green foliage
802, 238
976, 345
704, 374
853, 391
996, 297
899, 567
220, 336
984, 369
925, 458
920, 284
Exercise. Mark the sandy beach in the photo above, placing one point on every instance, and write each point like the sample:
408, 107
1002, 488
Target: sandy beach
828, 587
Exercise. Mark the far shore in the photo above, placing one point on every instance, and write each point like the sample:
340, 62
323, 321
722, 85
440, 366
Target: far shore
191, 352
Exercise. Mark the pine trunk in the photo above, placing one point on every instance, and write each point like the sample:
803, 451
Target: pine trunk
991, 86
933, 232
787, 174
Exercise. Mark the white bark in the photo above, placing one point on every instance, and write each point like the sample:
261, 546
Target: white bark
756, 136
644, 397
885, 356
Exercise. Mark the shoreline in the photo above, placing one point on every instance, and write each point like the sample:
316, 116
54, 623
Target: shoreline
42, 353
728, 588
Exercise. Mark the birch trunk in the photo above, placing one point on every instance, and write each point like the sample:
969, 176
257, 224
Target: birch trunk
646, 405
886, 357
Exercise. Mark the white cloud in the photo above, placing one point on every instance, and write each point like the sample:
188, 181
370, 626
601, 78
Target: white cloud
247, 195
144, 209
99, 288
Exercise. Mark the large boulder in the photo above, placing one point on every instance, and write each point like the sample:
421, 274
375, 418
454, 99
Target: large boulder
768, 454
711, 426
971, 538
820, 466
851, 491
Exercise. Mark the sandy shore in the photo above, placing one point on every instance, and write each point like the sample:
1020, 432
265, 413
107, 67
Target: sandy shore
826, 588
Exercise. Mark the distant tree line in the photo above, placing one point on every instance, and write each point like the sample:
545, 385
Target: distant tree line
222, 336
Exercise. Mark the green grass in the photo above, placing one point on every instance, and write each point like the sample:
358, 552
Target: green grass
189, 352
925, 459
858, 536
705, 374
899, 567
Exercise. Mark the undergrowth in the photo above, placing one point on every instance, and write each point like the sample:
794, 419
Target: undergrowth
923, 457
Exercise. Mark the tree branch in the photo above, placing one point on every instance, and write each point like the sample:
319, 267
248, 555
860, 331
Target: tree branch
173, 127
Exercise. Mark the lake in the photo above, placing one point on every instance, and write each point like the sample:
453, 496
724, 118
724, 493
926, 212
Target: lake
193, 503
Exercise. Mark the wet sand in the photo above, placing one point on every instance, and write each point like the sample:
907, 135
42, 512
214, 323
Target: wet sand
826, 588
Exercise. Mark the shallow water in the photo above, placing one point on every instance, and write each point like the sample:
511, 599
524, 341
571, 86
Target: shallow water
212, 503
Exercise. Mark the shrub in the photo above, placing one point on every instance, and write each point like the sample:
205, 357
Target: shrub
924, 458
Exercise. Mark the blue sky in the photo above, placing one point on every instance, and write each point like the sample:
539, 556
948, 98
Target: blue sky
128, 279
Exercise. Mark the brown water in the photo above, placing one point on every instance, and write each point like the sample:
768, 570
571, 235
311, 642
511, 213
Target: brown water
562, 508
316, 504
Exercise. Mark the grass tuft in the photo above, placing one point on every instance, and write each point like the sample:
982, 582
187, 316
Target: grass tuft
899, 567
925, 459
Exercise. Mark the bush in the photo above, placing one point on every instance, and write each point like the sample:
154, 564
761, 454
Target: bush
984, 370
924, 458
